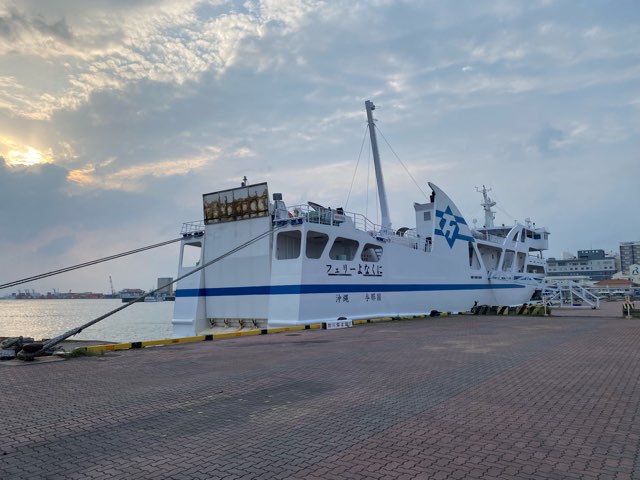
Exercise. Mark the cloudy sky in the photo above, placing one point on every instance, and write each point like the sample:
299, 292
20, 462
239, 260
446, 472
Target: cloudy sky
116, 116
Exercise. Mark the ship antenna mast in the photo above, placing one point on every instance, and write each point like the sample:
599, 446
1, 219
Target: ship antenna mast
382, 195
489, 215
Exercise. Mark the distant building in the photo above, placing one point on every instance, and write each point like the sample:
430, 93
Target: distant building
629, 255
633, 274
128, 294
592, 263
165, 283
616, 256
132, 292
615, 287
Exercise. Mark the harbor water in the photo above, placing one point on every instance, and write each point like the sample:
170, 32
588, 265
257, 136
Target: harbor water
49, 318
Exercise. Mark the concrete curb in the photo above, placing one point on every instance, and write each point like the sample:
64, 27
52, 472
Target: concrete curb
112, 347
198, 338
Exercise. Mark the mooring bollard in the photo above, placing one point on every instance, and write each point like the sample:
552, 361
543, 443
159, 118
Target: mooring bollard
627, 306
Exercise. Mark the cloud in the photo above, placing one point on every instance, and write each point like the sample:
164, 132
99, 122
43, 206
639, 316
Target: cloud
168, 42
131, 178
42, 198
34, 195
57, 246
243, 152
17, 28
548, 139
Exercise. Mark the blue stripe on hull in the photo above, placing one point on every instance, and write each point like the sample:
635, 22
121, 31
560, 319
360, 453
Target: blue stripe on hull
321, 288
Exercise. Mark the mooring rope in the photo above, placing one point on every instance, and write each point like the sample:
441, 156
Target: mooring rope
85, 264
23, 355
355, 171
401, 163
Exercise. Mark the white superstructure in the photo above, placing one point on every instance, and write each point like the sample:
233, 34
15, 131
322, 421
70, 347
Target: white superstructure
305, 264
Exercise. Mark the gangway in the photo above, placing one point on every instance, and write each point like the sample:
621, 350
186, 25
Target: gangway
565, 293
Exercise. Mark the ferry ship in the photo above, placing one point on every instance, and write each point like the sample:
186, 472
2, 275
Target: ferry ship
256, 262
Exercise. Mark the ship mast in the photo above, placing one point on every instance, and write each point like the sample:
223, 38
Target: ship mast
489, 215
386, 221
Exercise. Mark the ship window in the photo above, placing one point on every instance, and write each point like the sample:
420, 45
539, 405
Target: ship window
191, 254
288, 245
371, 253
316, 242
427, 216
343, 249
535, 269
474, 262
507, 262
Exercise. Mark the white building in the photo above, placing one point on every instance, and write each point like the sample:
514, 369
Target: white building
592, 263
629, 255
165, 283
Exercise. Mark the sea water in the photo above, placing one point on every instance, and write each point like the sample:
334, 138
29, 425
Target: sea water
49, 318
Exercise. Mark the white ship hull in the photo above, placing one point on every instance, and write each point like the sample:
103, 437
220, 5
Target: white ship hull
267, 286
262, 264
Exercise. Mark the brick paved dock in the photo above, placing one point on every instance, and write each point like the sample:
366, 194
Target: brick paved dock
457, 397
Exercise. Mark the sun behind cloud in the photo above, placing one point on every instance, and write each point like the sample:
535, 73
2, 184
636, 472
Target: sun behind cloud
25, 155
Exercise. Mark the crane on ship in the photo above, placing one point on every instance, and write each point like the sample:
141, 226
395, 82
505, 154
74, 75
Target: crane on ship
113, 290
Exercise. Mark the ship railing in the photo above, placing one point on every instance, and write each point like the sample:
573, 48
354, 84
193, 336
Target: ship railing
487, 236
534, 259
189, 228
411, 239
326, 216
340, 218
533, 246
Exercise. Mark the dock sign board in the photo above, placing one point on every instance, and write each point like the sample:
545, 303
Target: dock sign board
333, 324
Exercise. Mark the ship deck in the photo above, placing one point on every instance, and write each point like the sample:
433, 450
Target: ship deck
450, 397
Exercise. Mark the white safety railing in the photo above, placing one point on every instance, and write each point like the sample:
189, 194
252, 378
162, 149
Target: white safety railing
192, 227
340, 218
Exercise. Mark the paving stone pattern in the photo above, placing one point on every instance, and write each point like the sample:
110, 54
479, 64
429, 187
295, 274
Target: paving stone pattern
441, 398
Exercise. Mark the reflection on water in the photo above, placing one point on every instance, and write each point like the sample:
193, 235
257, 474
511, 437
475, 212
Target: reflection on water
50, 318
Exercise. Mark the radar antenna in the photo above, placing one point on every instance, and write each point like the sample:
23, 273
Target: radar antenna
489, 215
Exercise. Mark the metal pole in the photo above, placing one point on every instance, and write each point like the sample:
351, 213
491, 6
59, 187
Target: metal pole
382, 195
